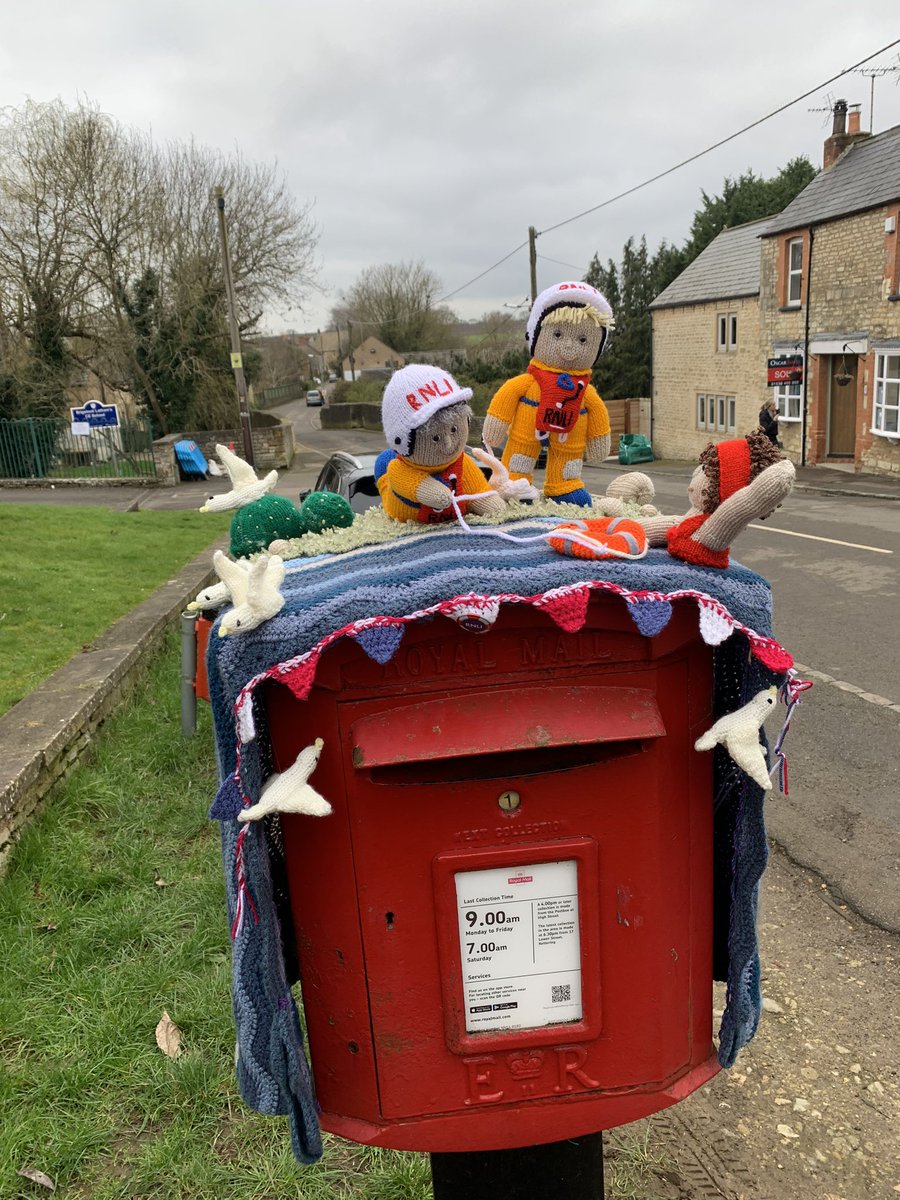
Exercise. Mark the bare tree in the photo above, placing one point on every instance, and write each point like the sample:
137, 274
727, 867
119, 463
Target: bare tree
109, 244
397, 302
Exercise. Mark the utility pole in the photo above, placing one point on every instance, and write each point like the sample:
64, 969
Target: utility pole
350, 351
237, 361
532, 258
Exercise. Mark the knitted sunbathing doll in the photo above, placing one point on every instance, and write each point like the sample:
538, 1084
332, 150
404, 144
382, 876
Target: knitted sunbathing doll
426, 422
554, 403
736, 482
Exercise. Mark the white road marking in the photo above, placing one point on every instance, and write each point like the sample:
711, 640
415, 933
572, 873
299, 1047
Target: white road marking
869, 697
812, 538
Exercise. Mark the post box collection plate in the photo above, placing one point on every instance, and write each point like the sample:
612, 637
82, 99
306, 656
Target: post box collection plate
518, 942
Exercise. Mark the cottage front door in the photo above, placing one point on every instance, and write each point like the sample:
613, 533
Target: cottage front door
841, 441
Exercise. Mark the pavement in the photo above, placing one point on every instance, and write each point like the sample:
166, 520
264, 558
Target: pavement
302, 474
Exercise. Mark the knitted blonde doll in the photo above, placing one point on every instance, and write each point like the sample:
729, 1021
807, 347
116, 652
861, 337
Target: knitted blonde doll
554, 403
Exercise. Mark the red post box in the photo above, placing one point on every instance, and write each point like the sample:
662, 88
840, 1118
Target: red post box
504, 929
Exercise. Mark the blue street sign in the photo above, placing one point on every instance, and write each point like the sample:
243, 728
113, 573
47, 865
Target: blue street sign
96, 414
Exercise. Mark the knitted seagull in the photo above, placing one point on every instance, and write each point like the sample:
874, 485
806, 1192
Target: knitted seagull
289, 791
500, 482
738, 732
255, 592
216, 594
245, 484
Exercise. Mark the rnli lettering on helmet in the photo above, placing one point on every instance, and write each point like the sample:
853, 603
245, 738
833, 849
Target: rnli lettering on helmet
428, 391
579, 287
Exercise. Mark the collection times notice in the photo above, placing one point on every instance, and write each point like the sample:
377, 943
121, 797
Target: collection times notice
519, 946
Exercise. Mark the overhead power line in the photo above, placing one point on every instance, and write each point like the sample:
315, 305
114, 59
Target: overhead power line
486, 271
700, 154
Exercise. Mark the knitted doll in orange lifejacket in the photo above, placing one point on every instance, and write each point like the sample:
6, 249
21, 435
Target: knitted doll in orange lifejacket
554, 403
736, 482
426, 414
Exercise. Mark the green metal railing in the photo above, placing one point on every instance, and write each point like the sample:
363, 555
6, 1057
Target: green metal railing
46, 448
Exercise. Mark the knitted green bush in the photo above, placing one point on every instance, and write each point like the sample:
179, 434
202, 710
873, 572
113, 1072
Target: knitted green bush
257, 524
325, 510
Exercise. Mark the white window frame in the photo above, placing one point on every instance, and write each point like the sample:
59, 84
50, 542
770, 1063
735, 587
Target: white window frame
716, 414
887, 394
793, 274
726, 332
788, 396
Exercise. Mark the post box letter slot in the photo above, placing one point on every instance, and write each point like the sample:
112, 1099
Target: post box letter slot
485, 734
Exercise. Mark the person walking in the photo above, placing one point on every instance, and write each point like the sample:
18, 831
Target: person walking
768, 421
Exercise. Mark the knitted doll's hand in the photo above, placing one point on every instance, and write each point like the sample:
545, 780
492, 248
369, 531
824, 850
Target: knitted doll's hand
487, 504
434, 494
597, 448
494, 431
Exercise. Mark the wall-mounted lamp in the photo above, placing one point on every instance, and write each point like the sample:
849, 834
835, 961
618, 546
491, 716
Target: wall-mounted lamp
842, 376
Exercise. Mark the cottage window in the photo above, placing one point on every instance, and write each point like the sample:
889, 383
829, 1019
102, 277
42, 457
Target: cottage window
886, 416
789, 397
794, 270
726, 331
701, 411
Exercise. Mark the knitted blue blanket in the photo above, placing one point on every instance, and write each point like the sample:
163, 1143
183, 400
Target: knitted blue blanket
371, 594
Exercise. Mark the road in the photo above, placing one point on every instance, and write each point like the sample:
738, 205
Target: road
834, 566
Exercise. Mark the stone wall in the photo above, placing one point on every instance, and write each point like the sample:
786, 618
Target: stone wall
274, 446
686, 363
49, 731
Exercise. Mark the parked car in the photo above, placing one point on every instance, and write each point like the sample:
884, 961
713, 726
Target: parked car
350, 477
314, 398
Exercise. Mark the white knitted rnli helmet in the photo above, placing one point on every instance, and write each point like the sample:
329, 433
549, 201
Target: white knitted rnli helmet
412, 395
575, 293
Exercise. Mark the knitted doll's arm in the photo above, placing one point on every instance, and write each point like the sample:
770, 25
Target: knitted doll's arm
657, 527
598, 429
502, 407
758, 499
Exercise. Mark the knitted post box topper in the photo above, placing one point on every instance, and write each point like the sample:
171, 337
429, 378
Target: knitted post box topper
554, 403
426, 422
736, 482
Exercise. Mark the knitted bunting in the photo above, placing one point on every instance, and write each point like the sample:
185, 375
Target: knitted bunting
568, 607
715, 626
650, 616
228, 802
380, 642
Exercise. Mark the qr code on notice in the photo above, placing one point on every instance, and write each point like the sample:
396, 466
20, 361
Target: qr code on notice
560, 993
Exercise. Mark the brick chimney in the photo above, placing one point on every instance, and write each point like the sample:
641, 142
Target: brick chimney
844, 133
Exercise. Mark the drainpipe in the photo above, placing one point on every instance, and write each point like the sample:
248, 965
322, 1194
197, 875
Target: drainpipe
806, 349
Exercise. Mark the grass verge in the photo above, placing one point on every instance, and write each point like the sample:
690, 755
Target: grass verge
113, 911
70, 573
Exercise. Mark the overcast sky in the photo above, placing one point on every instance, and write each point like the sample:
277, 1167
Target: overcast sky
424, 129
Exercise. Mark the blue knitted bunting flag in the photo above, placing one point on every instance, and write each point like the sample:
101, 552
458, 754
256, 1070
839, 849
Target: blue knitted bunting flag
650, 616
380, 642
228, 802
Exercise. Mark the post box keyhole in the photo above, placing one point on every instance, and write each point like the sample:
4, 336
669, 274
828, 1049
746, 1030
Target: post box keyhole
509, 801
389, 920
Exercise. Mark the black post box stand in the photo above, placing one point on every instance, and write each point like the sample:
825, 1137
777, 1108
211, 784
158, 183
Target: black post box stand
568, 1170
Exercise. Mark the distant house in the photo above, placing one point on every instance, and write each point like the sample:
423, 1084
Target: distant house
371, 355
706, 339
823, 286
